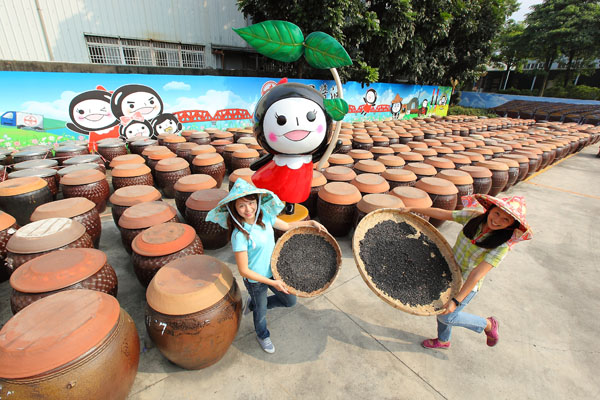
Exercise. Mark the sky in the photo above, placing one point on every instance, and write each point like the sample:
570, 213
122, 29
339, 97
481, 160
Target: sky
524, 9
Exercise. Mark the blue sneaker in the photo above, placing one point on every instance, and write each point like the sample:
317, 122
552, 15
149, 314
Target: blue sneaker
266, 344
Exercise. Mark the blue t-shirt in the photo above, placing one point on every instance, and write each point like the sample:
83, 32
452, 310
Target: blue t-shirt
259, 256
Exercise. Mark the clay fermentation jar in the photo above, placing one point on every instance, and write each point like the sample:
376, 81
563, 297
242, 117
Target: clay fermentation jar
482, 178
85, 159
228, 151
343, 160
45, 163
463, 182
318, 181
243, 173
91, 184
243, 158
213, 236
173, 142
63, 153
442, 192
131, 174
336, 206
41, 237
413, 197
184, 150
138, 146
187, 185
8, 226
499, 175
399, 177
513, 171
370, 183
76, 344
339, 174
376, 201
210, 164
111, 148
20, 196
369, 167
523, 164
392, 161
48, 174
421, 170
141, 216
168, 172
31, 154
128, 196
161, 244
193, 311
200, 138
78, 209
127, 159
66, 269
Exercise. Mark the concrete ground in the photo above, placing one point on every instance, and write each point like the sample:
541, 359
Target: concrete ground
347, 343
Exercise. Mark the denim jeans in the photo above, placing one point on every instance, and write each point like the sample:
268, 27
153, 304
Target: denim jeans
260, 303
459, 318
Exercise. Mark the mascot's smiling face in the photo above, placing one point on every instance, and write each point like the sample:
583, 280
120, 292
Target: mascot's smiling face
92, 114
294, 125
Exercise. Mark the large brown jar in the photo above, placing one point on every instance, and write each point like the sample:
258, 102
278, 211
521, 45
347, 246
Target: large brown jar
421, 170
194, 311
523, 164
339, 174
131, 174
513, 170
372, 202
75, 344
336, 207
41, 237
459, 160
184, 150
161, 244
228, 151
138, 146
45, 163
414, 198
66, 269
359, 154
463, 182
482, 178
362, 142
127, 159
155, 158
20, 196
440, 163
371, 183
244, 158
83, 160
48, 174
342, 160
141, 216
111, 148
91, 184
399, 177
369, 167
318, 181
379, 151
244, 173
210, 164
168, 172
8, 226
499, 175
128, 196
63, 153
187, 185
443, 194
31, 154
200, 138
173, 142
410, 157
392, 161
213, 235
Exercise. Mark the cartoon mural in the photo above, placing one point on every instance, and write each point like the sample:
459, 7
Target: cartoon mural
67, 109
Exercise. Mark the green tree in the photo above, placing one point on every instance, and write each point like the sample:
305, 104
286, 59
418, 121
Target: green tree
509, 47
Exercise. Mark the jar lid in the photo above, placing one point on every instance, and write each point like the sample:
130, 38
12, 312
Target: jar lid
458, 158
199, 135
410, 156
127, 159
130, 170
436, 186
493, 165
45, 163
161, 155
391, 161
517, 157
439, 162
511, 163
339, 173
375, 201
337, 159
44, 235
456, 176
477, 171
205, 199
371, 183
173, 138
110, 142
203, 149
82, 177
412, 196
425, 152
232, 147
380, 150
172, 164
370, 166
220, 142
153, 149
474, 157
26, 184
415, 145
130, 195
162, 239
146, 214
6, 220
41, 172
359, 154
399, 175
362, 139
244, 173
245, 153
57, 270
144, 142
482, 150
31, 152
318, 179
66, 208
341, 193
421, 168
54, 331
206, 159
189, 284
247, 140
77, 167
191, 183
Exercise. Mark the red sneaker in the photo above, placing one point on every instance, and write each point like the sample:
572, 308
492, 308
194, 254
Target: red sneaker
492, 336
434, 344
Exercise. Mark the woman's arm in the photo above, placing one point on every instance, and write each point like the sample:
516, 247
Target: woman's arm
241, 259
285, 226
475, 276
436, 213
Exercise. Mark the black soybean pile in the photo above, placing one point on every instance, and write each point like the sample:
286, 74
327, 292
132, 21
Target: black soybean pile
410, 270
307, 262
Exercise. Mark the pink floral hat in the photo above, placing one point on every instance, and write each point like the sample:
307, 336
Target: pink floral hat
514, 205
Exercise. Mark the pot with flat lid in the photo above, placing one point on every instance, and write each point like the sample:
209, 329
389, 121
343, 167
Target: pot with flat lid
48, 174
20, 196
193, 310
499, 175
187, 185
336, 206
63, 345
89, 183
371, 183
8, 226
399, 177
128, 196
210, 164
66, 269
375, 201
137, 146
44, 163
111, 148
443, 194
243, 173
317, 182
482, 178
160, 244
124, 175
142, 216
127, 159
168, 172
339, 173
369, 167
414, 198
197, 206
463, 182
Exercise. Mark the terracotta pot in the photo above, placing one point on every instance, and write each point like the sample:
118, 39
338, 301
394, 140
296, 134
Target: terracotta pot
379, 151
127, 159
440, 163
370, 183
341, 160
535, 162
173, 142
63, 153
184, 150
463, 182
443, 194
359, 154
523, 162
69, 346
20, 196
8, 226
154, 158
318, 181
369, 167
413, 197
79, 167
161, 244
138, 146
141, 216
128, 196
459, 160
168, 172
228, 151
47, 174
362, 142
399, 177
244, 173
421, 170
78, 209
44, 163
499, 175
339, 174
219, 144
380, 141
213, 236
41, 237
482, 178
194, 311
91, 184
210, 164
392, 162
336, 205
186, 185
244, 158
111, 148
372, 202
61, 270
513, 171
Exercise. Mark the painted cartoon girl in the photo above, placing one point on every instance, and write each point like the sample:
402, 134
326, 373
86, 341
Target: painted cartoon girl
166, 123
396, 107
136, 130
135, 100
370, 99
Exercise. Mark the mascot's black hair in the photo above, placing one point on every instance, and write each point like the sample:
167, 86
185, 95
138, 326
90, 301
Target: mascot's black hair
124, 91
162, 118
102, 95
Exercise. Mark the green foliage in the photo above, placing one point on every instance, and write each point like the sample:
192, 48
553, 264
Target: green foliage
574, 92
336, 108
323, 51
279, 40
480, 112
521, 92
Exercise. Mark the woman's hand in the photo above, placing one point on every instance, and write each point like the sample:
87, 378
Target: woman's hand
279, 285
406, 209
317, 225
450, 306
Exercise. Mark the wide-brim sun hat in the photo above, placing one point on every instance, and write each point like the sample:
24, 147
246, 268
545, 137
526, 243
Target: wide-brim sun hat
270, 205
514, 206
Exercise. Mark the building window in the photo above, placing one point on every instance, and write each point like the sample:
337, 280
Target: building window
119, 51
